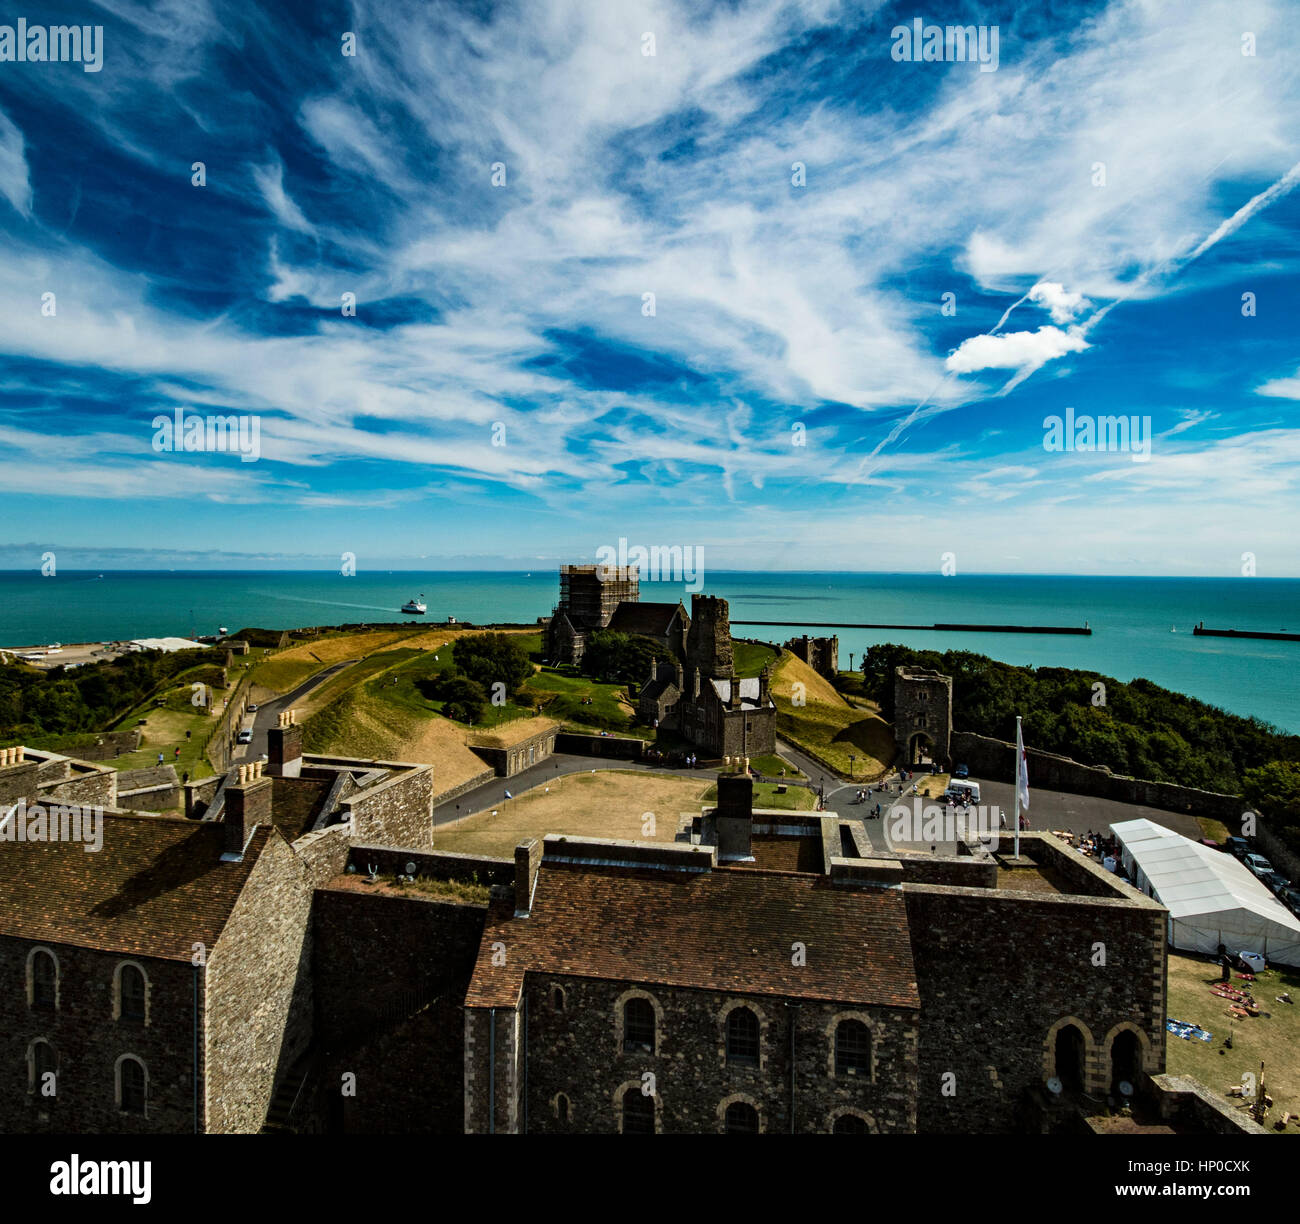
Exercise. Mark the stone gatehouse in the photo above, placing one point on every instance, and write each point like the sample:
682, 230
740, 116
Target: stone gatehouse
923, 716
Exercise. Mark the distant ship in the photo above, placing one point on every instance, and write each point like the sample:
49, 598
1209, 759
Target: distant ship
416, 607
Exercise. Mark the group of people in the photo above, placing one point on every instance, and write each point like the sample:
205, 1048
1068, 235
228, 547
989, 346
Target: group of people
675, 759
1099, 846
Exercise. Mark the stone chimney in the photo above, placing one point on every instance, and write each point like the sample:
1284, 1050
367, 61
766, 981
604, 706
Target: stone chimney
17, 777
528, 858
284, 747
248, 804
764, 687
734, 817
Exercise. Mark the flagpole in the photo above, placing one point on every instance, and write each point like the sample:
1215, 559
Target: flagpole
1016, 784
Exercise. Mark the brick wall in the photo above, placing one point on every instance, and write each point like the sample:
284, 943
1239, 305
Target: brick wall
398, 812
998, 971
88, 1042
508, 761
576, 1051
95, 789
599, 745
378, 959
259, 991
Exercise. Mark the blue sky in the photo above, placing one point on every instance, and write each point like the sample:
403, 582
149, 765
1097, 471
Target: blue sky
517, 311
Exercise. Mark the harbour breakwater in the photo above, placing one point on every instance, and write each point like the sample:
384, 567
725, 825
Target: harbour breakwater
1083, 630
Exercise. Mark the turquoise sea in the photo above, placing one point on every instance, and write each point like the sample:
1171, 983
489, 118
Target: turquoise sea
1131, 618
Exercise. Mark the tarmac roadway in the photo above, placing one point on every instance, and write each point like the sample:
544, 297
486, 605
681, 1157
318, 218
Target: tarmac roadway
267, 714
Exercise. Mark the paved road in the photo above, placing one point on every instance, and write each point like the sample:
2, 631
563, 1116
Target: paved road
267, 713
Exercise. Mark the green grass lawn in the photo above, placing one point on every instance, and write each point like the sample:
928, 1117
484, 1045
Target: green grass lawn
560, 697
1273, 1039
795, 799
751, 657
773, 765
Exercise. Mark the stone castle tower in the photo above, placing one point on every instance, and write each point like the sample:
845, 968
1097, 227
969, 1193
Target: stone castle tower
922, 716
708, 642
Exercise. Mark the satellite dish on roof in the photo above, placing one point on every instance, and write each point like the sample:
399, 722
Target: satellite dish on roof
1054, 1086
1125, 1088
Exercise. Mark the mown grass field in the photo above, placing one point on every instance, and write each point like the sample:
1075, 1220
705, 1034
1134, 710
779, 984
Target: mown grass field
1273, 1039
826, 725
610, 803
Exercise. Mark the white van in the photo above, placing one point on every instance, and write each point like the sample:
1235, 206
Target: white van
960, 788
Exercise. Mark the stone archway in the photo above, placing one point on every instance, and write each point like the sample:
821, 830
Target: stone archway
1068, 1055
920, 749
1125, 1059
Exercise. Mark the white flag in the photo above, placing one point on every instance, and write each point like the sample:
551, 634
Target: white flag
1022, 768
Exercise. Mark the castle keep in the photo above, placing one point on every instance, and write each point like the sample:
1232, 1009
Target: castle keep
701, 699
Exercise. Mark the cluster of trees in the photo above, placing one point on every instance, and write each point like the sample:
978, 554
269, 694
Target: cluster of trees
35, 703
489, 667
1138, 728
1273, 790
621, 658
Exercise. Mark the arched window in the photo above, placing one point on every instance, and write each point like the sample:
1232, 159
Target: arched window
852, 1048
562, 1107
742, 1038
132, 1085
45, 980
130, 993
741, 1118
638, 1026
557, 998
849, 1124
42, 1068
638, 1113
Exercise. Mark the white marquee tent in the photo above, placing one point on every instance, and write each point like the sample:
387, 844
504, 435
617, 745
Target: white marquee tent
1211, 897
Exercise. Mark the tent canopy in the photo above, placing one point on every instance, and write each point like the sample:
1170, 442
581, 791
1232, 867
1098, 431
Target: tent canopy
1211, 897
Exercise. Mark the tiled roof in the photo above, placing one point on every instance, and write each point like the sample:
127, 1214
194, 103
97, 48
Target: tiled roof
156, 887
749, 689
725, 930
649, 619
296, 803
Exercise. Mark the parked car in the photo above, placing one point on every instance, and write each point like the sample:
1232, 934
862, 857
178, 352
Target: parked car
1238, 847
962, 771
245, 737
1274, 881
1290, 897
1259, 866
252, 707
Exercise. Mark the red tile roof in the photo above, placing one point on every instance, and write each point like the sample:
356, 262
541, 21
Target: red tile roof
726, 930
156, 887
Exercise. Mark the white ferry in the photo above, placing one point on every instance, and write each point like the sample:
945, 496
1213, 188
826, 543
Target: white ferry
415, 607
